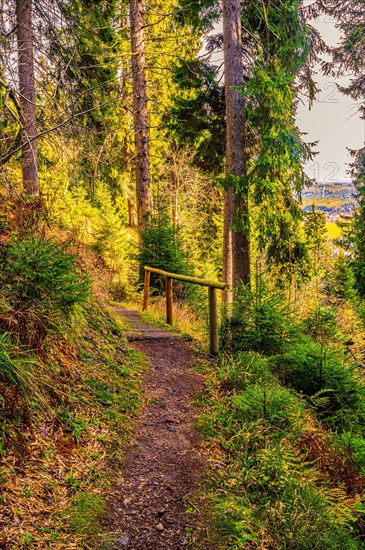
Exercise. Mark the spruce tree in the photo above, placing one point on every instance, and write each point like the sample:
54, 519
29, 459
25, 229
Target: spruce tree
278, 47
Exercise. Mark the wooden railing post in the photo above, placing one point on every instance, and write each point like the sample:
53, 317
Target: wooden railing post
169, 300
212, 286
146, 294
213, 321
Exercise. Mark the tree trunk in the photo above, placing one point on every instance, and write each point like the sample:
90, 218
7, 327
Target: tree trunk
174, 188
236, 241
140, 113
130, 190
227, 270
131, 213
27, 96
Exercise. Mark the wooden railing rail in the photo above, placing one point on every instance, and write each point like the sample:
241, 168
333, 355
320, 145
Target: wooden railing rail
212, 296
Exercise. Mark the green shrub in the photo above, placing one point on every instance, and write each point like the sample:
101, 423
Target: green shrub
261, 321
272, 487
162, 249
238, 372
308, 368
342, 282
40, 285
298, 519
321, 324
302, 517
265, 493
353, 445
273, 404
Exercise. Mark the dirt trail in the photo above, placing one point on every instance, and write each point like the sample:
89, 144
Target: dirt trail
162, 468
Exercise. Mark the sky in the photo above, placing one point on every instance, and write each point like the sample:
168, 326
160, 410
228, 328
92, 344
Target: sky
333, 121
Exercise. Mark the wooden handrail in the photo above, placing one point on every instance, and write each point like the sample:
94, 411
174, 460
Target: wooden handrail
186, 279
212, 286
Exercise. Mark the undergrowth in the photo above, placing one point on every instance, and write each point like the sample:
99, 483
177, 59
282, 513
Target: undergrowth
279, 479
69, 387
62, 428
40, 284
284, 421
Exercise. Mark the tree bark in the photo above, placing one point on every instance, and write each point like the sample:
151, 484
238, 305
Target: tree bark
130, 186
236, 241
140, 113
27, 97
227, 270
174, 188
131, 213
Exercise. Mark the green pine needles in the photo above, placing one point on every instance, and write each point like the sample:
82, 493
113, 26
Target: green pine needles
261, 320
41, 284
162, 248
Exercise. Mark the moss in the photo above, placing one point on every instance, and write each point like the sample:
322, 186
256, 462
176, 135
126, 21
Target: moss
84, 515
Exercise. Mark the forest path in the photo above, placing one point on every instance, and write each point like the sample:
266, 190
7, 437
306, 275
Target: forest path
162, 469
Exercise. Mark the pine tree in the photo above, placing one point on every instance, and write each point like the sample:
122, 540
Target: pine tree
277, 48
140, 112
358, 228
315, 228
349, 57
236, 234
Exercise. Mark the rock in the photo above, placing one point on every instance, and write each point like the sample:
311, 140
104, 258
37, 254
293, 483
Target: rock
159, 527
123, 541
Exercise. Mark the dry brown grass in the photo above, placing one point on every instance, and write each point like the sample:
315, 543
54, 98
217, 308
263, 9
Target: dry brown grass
185, 319
62, 446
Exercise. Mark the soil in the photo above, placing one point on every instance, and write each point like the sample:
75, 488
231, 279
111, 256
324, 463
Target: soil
165, 462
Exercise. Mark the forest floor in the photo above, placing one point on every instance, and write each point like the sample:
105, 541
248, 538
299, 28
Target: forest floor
154, 498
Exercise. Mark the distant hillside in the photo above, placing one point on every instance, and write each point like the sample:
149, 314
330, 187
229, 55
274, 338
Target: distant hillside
335, 199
